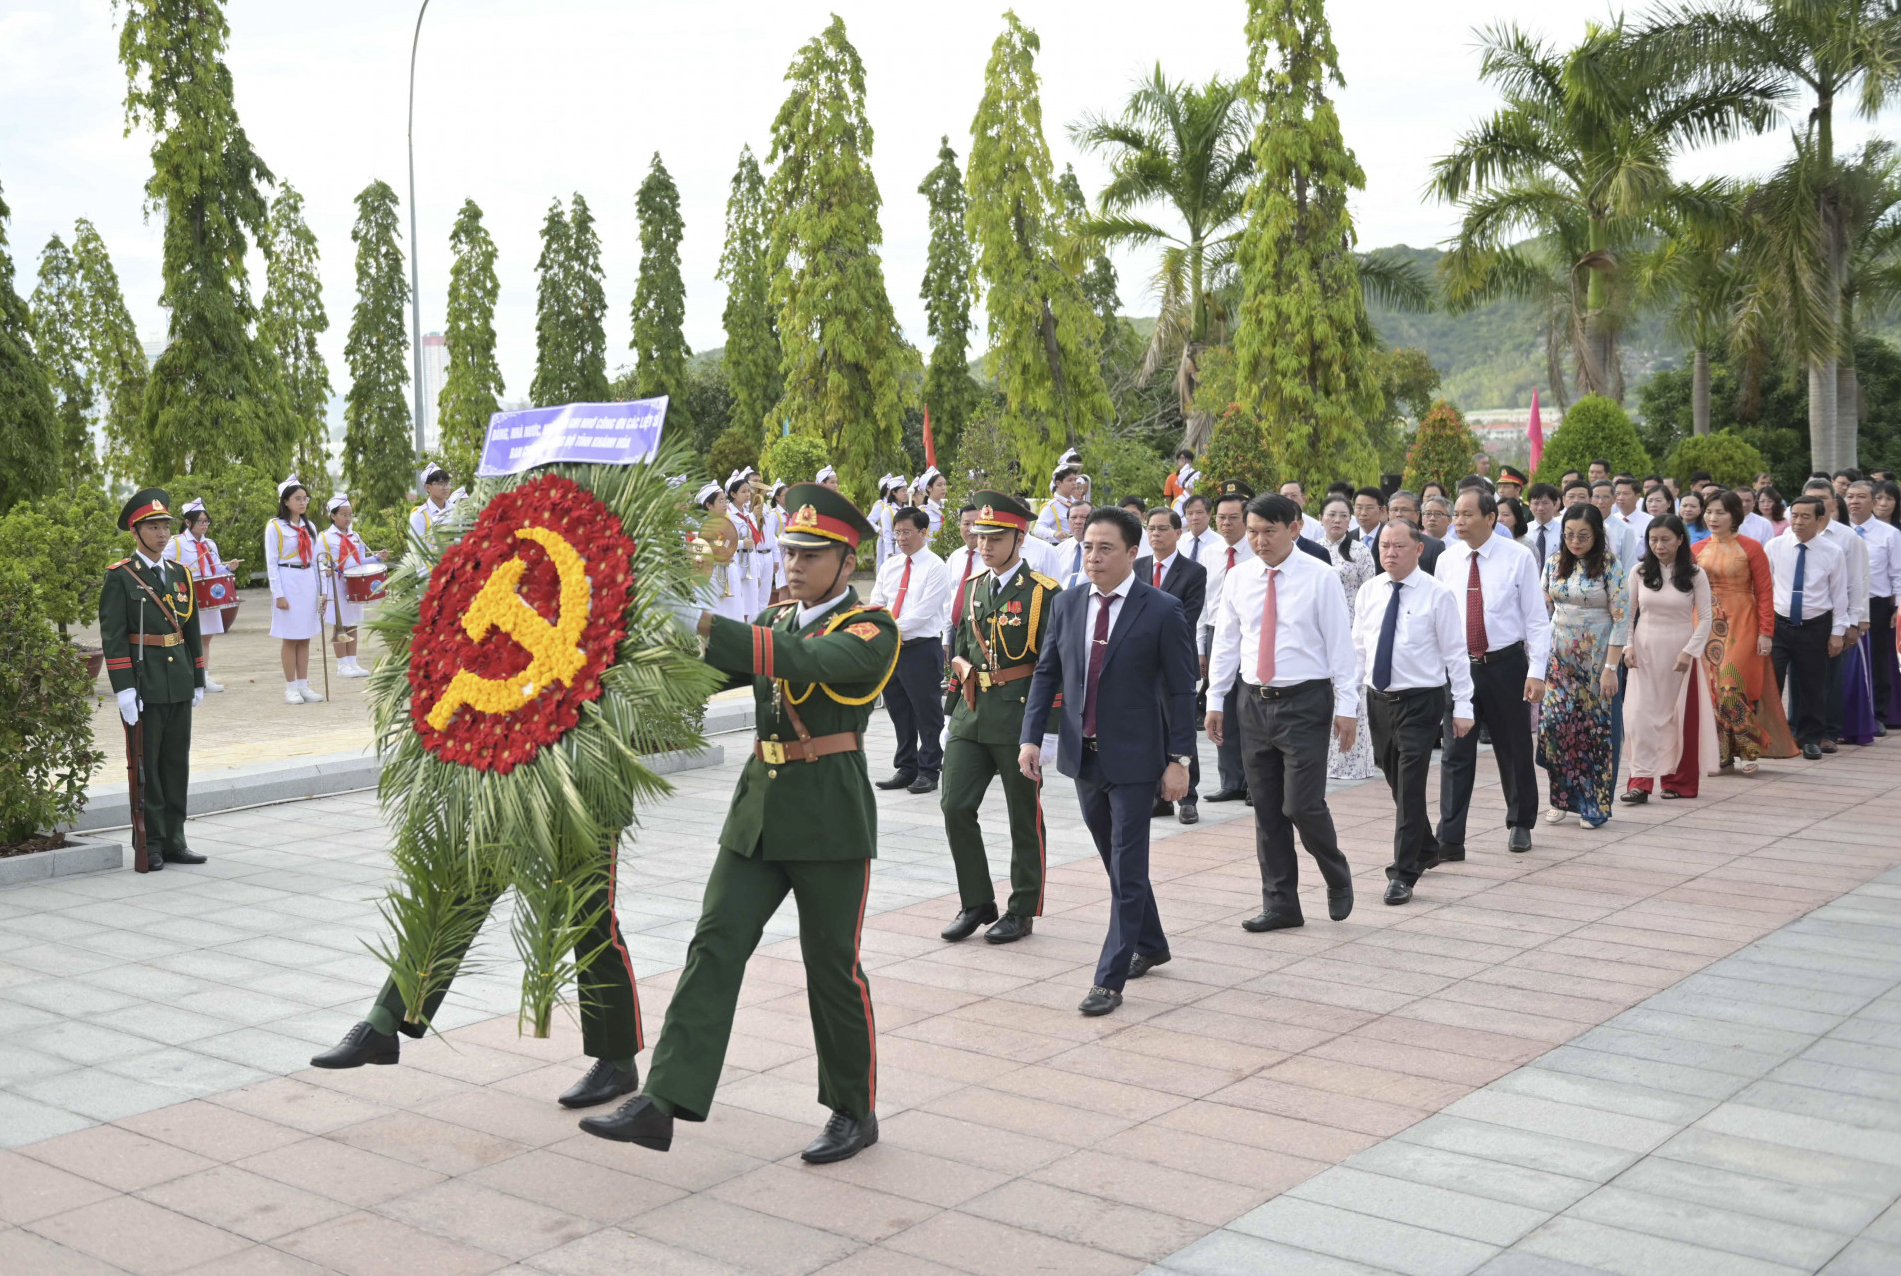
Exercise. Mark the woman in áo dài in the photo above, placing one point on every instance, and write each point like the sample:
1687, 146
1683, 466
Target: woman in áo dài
1669, 729
1750, 723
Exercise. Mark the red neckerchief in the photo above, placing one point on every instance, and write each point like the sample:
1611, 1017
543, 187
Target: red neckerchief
758, 537
204, 556
346, 548
306, 548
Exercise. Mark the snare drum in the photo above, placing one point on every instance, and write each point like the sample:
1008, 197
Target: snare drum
216, 591
364, 582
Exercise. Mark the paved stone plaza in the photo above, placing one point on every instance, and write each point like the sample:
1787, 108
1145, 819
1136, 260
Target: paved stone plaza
1669, 1045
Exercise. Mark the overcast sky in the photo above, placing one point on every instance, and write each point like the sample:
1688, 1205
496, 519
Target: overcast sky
520, 102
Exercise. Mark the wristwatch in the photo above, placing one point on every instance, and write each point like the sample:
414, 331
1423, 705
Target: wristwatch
1181, 759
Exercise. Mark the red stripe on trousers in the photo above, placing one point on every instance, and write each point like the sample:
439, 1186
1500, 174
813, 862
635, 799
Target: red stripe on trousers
864, 992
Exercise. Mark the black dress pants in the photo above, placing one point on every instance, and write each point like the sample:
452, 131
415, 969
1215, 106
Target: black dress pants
1405, 724
1881, 643
915, 700
1283, 742
1800, 656
1498, 703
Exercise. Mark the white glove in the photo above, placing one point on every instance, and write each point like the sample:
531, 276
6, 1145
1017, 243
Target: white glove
1049, 748
197, 696
129, 705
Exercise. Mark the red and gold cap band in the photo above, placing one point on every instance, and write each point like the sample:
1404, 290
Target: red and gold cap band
991, 518
151, 509
808, 521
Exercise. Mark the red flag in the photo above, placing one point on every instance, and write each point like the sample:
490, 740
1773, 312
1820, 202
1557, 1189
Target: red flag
1535, 432
930, 449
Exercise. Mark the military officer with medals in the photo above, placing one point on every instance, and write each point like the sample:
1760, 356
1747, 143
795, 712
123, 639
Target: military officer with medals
148, 625
993, 654
803, 820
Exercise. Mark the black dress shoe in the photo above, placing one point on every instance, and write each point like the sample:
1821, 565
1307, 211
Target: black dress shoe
1636, 797
186, 856
1187, 813
1009, 929
1142, 963
1100, 1001
602, 1083
923, 784
897, 782
1162, 810
968, 921
362, 1044
1340, 903
843, 1137
1227, 795
155, 859
1273, 921
1520, 840
635, 1121
1449, 855
1398, 892
1812, 751
1829, 746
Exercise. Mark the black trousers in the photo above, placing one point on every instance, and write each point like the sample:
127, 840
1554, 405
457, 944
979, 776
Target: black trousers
1881, 643
1117, 817
1498, 703
1405, 725
915, 700
1234, 776
1284, 749
1800, 656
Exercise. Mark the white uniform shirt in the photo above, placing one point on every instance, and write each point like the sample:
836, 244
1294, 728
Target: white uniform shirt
1052, 524
196, 551
1855, 555
426, 516
1824, 578
1884, 557
1217, 565
1313, 634
927, 601
1428, 638
1514, 598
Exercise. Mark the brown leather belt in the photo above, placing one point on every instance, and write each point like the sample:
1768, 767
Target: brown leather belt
154, 640
988, 678
774, 753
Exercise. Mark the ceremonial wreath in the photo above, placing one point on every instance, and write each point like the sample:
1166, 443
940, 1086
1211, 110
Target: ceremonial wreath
530, 666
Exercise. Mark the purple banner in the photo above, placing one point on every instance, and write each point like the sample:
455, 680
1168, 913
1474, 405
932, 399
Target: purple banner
586, 433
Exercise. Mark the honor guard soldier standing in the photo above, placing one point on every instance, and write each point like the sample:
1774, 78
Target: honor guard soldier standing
803, 820
148, 625
993, 653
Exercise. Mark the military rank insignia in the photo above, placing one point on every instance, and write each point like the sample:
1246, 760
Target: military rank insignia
863, 629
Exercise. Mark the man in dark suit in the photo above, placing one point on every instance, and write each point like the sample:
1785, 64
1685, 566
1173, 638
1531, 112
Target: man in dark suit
1170, 571
1120, 655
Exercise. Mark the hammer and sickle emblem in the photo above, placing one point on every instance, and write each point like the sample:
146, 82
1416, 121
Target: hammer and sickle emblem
556, 651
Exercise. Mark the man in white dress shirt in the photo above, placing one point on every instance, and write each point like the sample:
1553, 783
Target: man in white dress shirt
1541, 538
1069, 554
1310, 527
1199, 537
1884, 582
1809, 576
1230, 522
1409, 648
1283, 642
915, 588
1508, 642
1855, 554
960, 565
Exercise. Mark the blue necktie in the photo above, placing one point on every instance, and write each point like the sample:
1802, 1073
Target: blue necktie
1795, 591
1194, 550
1383, 653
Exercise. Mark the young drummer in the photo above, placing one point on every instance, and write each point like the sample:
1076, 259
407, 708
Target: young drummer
290, 558
194, 548
344, 549
433, 481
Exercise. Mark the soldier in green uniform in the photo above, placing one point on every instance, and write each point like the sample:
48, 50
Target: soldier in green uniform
802, 820
993, 654
148, 625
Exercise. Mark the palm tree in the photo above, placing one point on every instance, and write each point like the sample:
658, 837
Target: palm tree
1694, 268
1186, 147
1578, 160
1830, 48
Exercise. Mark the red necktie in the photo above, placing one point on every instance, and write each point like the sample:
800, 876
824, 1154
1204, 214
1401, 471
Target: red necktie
1230, 566
904, 586
1098, 651
1270, 626
957, 604
1157, 582
1475, 642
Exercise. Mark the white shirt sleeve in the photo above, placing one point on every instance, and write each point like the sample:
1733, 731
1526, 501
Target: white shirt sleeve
1531, 600
1224, 650
273, 550
1445, 622
1336, 636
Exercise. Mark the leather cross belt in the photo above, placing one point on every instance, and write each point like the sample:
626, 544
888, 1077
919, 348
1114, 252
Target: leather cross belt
775, 753
154, 640
988, 678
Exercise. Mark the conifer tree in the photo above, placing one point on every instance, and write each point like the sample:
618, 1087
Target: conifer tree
115, 355
554, 353
60, 341
752, 338
589, 304
570, 310
1098, 273
292, 318
660, 349
214, 397
377, 452
844, 358
949, 392
1304, 341
29, 422
473, 384
1042, 329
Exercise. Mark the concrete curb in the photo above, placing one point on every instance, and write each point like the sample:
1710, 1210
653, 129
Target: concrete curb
735, 714
80, 855
108, 806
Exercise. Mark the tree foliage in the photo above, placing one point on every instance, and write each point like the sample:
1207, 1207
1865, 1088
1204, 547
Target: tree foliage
1594, 427
291, 321
1726, 458
660, 349
214, 397
949, 393
792, 458
472, 385
59, 337
752, 337
1304, 341
1442, 450
845, 361
30, 434
377, 447
570, 310
46, 753
1041, 327
66, 540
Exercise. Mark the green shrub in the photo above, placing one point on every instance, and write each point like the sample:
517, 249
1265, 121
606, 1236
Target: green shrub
65, 542
1729, 460
1594, 428
1442, 450
46, 753
242, 501
734, 449
790, 458
1122, 466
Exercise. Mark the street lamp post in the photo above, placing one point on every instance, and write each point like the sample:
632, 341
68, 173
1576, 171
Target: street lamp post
415, 284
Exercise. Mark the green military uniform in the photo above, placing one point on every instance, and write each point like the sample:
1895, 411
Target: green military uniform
148, 625
802, 820
1001, 632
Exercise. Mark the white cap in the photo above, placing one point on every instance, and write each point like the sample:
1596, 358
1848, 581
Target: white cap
428, 468
777, 488
825, 472
707, 493
194, 505
735, 479
931, 474
335, 503
287, 484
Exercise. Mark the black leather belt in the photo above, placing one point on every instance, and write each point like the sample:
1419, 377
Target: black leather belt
1282, 693
1404, 693
1493, 657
